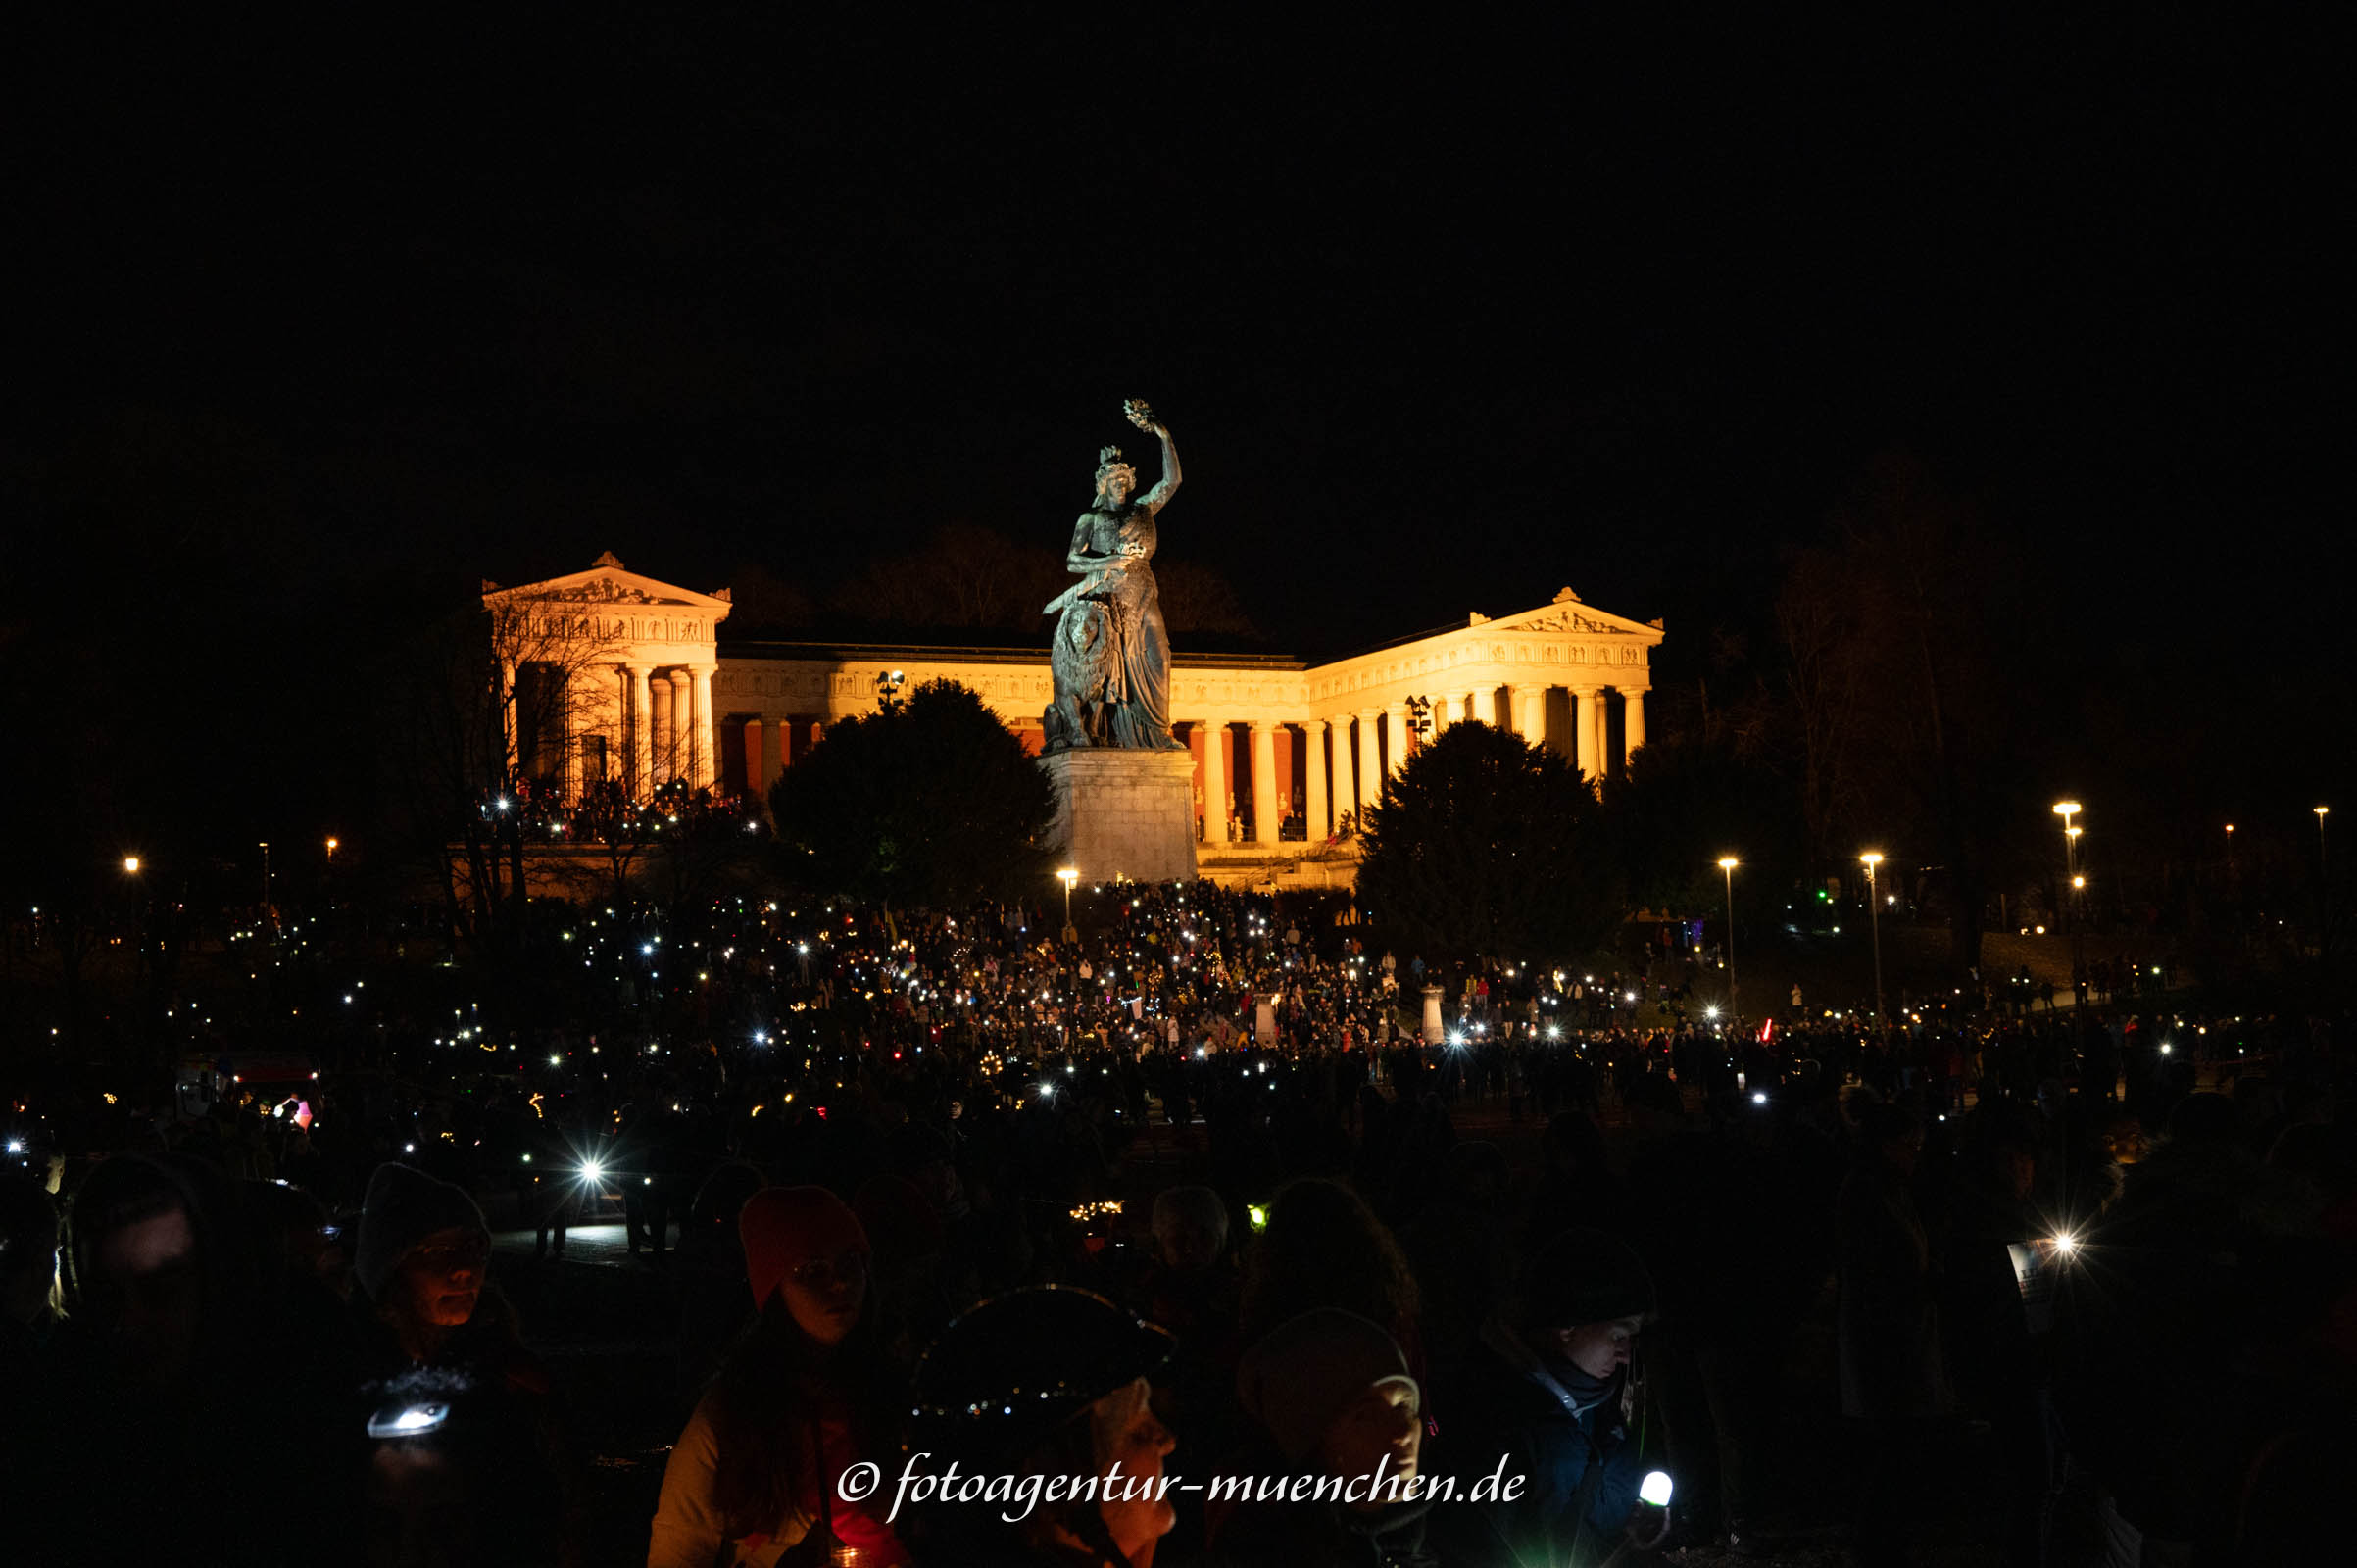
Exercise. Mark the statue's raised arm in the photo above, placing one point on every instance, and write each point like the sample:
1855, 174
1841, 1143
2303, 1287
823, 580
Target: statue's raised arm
1142, 416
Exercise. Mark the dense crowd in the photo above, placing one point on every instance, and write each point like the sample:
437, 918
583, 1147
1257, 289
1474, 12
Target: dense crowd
1187, 1196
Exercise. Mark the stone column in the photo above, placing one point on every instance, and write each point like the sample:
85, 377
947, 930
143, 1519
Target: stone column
658, 734
631, 733
705, 739
757, 762
1530, 713
1583, 725
683, 726
1631, 724
1443, 715
1481, 707
1215, 781
1394, 725
1314, 735
1370, 758
508, 672
1265, 812
1345, 779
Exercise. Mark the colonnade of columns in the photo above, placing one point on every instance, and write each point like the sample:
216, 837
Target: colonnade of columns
1358, 750
667, 727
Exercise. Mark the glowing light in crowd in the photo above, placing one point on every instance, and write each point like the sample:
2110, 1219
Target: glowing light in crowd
1655, 1489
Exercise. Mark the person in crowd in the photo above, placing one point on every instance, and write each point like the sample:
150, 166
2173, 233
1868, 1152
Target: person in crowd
27, 1269
1043, 1382
1892, 1380
2206, 1246
436, 1332
1330, 1397
714, 1304
28, 1231
1324, 1247
1546, 1390
806, 1394
178, 1395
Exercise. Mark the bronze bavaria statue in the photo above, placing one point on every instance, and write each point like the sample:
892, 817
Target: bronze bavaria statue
1111, 654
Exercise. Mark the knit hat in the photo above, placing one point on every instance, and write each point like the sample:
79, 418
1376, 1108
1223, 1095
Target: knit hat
404, 1207
786, 1227
1302, 1374
1584, 1276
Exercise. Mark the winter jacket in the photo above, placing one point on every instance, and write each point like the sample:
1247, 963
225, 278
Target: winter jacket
1506, 1402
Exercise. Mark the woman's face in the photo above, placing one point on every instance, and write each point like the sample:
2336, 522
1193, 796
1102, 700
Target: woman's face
1128, 1433
1116, 486
442, 1276
825, 1295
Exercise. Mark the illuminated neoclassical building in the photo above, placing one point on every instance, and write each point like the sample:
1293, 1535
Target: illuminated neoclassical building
634, 679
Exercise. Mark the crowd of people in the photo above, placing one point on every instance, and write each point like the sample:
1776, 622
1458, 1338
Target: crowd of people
975, 1199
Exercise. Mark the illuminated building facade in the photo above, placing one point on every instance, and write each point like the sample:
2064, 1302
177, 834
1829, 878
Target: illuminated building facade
607, 673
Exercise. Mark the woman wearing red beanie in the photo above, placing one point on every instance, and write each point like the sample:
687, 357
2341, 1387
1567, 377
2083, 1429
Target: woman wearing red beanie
806, 1395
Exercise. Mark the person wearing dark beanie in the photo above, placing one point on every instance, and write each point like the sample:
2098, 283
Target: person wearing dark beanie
809, 1392
497, 1479
1331, 1394
1543, 1390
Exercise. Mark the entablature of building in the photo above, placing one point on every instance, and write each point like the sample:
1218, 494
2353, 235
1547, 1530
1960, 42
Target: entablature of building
1566, 643
608, 614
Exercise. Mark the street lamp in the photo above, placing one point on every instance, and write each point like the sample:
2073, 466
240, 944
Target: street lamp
888, 687
1419, 717
2319, 833
333, 845
131, 864
1728, 863
1067, 876
1874, 920
265, 882
2066, 810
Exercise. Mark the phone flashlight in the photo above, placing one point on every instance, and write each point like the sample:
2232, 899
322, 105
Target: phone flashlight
407, 1420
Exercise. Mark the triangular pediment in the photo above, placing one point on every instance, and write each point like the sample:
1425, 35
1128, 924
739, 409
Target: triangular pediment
608, 582
1568, 615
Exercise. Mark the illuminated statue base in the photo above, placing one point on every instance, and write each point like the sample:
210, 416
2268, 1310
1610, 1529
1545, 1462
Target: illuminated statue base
1124, 813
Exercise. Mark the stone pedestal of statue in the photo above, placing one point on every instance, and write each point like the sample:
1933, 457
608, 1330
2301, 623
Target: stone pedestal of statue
1123, 814
1433, 1030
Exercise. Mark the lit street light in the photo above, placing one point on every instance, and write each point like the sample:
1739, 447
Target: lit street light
130, 863
2066, 810
888, 687
2320, 832
1067, 876
1873, 920
1728, 863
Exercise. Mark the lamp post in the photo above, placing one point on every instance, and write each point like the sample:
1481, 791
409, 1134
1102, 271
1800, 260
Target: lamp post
265, 883
1067, 876
1874, 922
1419, 717
1728, 863
2319, 833
888, 687
2066, 810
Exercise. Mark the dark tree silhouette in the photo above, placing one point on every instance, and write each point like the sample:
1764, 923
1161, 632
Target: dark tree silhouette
931, 800
1484, 843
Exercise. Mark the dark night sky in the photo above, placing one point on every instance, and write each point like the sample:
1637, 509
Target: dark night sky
1442, 317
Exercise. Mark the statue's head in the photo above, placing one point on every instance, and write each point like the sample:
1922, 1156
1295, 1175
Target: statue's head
1115, 479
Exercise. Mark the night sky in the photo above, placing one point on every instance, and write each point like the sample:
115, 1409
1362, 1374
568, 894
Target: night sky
1442, 317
